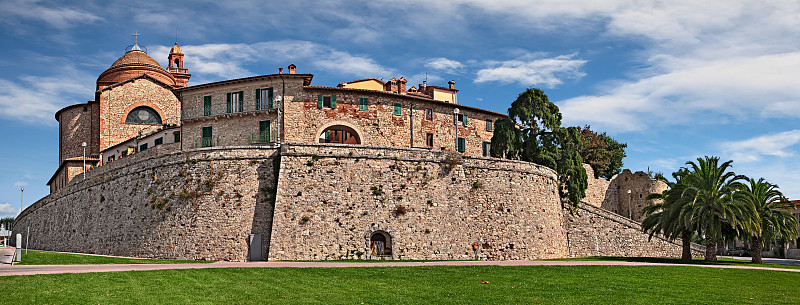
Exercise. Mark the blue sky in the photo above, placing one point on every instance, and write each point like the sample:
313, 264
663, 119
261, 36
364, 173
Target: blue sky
675, 80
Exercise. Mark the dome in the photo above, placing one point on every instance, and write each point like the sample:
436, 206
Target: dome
176, 49
135, 58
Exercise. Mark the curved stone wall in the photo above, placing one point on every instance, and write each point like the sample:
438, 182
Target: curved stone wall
323, 201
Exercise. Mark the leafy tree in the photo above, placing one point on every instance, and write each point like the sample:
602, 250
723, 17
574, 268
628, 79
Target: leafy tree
533, 133
672, 216
6, 222
715, 212
771, 214
602, 152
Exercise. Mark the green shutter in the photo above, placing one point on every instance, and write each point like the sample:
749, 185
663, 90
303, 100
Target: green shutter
397, 108
465, 120
333, 102
230, 108
363, 104
206, 105
258, 99
319, 101
455, 119
263, 131
488, 125
461, 145
269, 98
241, 101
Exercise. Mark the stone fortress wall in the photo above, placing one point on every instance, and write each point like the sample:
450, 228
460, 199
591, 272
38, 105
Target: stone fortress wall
323, 201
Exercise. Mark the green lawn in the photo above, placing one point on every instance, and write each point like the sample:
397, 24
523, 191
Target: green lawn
35, 257
412, 285
674, 260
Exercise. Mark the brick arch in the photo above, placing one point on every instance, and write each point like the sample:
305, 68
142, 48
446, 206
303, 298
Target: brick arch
143, 103
390, 237
360, 133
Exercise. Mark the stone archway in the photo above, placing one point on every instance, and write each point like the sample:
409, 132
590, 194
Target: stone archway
339, 134
380, 244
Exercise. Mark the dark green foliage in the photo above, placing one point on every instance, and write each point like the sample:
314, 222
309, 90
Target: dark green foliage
533, 133
7, 222
602, 152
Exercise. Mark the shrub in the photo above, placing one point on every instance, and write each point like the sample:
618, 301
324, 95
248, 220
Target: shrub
399, 210
377, 191
305, 220
477, 185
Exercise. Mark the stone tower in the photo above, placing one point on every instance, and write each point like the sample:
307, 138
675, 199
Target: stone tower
175, 67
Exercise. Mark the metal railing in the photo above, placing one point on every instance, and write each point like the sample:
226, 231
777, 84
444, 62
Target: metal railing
263, 137
204, 142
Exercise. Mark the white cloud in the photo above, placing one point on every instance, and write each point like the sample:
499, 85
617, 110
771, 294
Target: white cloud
754, 149
34, 99
58, 17
20, 184
442, 63
7, 209
528, 70
695, 92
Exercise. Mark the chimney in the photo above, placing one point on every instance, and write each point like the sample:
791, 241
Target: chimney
402, 84
280, 70
452, 84
291, 68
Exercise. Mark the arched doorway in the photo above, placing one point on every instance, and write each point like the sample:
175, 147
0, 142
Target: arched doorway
339, 134
380, 244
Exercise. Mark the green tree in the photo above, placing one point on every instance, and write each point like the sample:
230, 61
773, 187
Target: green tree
533, 133
6, 222
672, 216
716, 214
602, 152
771, 214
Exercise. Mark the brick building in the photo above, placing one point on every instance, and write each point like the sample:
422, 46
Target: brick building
136, 98
133, 97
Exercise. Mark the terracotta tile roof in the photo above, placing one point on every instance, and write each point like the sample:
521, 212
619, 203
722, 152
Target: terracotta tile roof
135, 58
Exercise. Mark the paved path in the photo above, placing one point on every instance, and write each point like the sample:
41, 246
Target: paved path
781, 261
50, 269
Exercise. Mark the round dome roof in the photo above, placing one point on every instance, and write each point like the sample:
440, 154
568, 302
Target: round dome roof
176, 49
135, 58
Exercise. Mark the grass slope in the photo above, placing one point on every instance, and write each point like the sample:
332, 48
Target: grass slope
412, 285
35, 257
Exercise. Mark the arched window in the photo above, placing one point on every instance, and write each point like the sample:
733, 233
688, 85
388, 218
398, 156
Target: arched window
143, 115
339, 134
177, 63
380, 243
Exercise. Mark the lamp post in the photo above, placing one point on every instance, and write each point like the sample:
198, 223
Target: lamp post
84, 160
21, 197
629, 205
455, 119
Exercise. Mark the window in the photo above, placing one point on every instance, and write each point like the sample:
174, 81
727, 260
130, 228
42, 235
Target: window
429, 140
462, 145
326, 101
264, 98
207, 105
177, 136
143, 147
363, 104
263, 131
397, 108
159, 141
235, 100
207, 137
111, 158
429, 114
488, 125
460, 119
143, 115
487, 148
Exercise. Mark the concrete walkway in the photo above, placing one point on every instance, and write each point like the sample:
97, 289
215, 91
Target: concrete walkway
51, 269
780, 261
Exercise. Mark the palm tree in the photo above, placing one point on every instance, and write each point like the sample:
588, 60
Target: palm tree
715, 213
672, 217
771, 214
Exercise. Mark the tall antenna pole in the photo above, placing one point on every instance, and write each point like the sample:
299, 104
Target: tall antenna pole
21, 196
